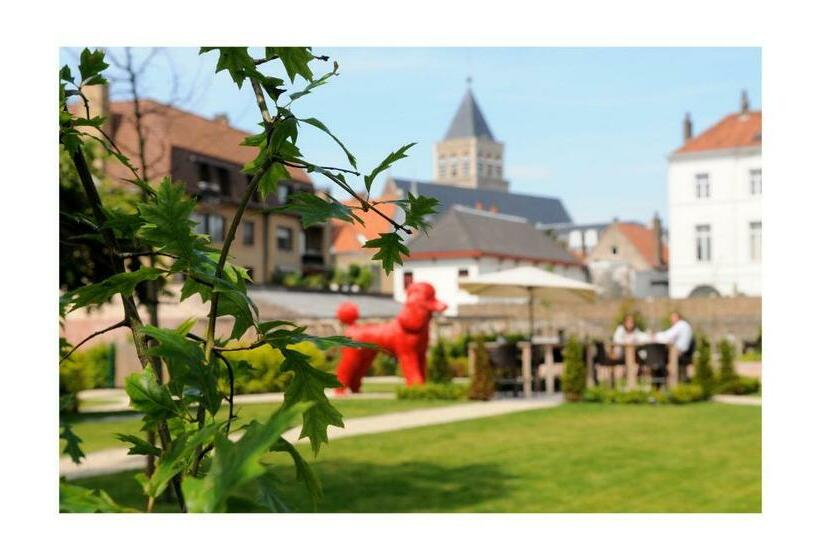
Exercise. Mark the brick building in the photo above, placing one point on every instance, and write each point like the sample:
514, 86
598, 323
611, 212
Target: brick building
207, 155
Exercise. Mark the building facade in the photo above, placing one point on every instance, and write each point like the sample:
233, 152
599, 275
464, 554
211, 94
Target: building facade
466, 242
714, 183
207, 156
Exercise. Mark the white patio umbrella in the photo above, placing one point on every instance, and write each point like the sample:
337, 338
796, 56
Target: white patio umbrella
530, 282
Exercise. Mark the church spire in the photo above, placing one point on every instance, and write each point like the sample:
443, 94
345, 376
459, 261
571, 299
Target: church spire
469, 121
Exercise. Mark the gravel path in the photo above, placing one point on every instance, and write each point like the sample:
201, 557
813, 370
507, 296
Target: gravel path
116, 460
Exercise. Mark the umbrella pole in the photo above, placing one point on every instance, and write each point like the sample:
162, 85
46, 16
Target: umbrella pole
532, 319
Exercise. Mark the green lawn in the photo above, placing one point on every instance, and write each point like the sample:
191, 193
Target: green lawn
96, 430
576, 458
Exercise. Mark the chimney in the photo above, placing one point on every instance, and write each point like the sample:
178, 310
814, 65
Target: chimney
222, 118
687, 127
744, 102
658, 231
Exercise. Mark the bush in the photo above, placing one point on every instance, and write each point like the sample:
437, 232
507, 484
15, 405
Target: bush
459, 366
687, 393
87, 369
726, 364
739, 386
482, 386
433, 391
259, 370
751, 356
704, 374
574, 378
384, 365
438, 369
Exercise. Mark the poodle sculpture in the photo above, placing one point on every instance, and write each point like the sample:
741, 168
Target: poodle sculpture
405, 337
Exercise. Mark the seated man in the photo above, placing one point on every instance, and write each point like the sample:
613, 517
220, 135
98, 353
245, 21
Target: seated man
680, 334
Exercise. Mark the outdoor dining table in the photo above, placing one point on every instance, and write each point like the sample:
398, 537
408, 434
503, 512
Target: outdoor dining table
551, 371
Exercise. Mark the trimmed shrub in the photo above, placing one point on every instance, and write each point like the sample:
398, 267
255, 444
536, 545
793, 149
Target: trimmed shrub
687, 393
482, 386
260, 370
751, 356
433, 391
739, 386
87, 369
459, 366
726, 363
574, 378
438, 369
704, 374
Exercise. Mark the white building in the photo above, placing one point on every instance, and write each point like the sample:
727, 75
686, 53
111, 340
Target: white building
714, 186
465, 242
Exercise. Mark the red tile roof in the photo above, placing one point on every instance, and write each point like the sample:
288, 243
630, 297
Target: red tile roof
737, 130
175, 127
646, 242
348, 238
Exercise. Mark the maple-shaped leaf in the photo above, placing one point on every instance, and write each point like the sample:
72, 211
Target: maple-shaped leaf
417, 209
317, 210
392, 158
390, 249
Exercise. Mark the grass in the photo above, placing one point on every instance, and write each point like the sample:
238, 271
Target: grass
97, 430
702, 457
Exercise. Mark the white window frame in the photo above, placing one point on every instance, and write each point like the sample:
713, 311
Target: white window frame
703, 187
755, 181
703, 243
755, 240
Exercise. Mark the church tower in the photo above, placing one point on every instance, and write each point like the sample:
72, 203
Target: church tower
469, 156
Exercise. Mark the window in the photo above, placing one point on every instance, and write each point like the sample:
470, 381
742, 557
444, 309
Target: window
614, 249
204, 173
702, 185
442, 167
210, 224
703, 243
465, 166
407, 279
454, 170
282, 194
576, 239
224, 180
590, 238
755, 240
755, 181
480, 169
284, 238
216, 228
248, 230
463, 273
200, 223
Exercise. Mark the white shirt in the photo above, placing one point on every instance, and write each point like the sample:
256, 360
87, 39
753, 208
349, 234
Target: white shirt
622, 336
680, 334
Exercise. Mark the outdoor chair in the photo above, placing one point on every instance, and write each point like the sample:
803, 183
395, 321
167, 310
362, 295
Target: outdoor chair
652, 361
504, 360
604, 359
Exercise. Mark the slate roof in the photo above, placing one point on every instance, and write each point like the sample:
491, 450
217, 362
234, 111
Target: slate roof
535, 209
738, 130
469, 121
465, 232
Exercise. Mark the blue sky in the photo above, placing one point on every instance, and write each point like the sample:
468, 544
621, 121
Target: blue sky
592, 126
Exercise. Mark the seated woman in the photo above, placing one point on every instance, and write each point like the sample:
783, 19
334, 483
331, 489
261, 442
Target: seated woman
628, 333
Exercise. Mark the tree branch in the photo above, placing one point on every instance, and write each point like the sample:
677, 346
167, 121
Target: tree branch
122, 323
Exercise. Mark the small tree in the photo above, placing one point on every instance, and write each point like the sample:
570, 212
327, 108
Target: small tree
482, 387
574, 380
439, 370
726, 364
704, 374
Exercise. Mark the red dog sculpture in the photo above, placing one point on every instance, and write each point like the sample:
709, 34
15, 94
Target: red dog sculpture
405, 337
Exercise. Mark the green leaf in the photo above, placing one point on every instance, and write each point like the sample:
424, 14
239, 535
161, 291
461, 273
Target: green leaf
304, 472
140, 446
266, 487
417, 209
72, 444
295, 60
314, 84
123, 283
401, 153
270, 180
76, 499
91, 64
65, 74
235, 60
390, 249
237, 463
308, 385
321, 126
317, 210
151, 398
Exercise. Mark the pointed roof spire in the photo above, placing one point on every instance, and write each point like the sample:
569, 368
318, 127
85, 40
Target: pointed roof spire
469, 121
